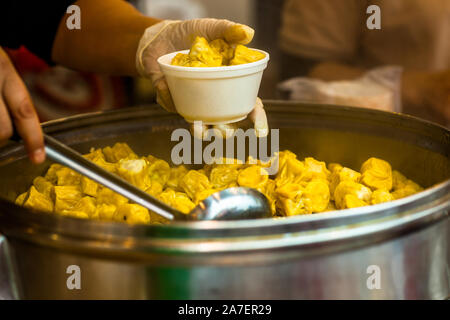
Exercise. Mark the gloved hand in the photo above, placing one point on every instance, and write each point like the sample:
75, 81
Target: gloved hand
169, 36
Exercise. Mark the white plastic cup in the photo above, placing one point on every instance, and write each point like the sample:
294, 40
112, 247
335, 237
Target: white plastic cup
213, 95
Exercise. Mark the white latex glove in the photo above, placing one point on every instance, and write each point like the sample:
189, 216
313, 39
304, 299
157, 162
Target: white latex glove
169, 36
257, 117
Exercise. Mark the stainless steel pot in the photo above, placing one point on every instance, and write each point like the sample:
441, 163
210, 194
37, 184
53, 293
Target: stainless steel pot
404, 244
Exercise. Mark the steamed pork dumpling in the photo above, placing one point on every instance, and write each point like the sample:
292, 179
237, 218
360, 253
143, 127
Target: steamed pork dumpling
352, 201
132, 213
202, 51
224, 49
376, 174
67, 177
289, 199
43, 186
380, 195
357, 190
294, 198
316, 196
340, 174
159, 171
314, 169
135, 171
223, 176
89, 187
66, 197
85, 208
290, 169
36, 200
242, 55
216, 53
194, 182
107, 196
253, 177
200, 55
178, 200
175, 176
407, 189
117, 152
299, 187
105, 211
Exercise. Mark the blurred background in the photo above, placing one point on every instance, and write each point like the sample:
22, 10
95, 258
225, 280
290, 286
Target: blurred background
320, 51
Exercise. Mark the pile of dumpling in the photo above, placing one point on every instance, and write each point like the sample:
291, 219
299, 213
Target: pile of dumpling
299, 187
215, 54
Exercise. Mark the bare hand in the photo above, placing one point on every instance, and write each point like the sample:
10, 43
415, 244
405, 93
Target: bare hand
16, 105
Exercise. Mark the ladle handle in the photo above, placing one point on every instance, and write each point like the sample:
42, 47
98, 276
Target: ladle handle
68, 157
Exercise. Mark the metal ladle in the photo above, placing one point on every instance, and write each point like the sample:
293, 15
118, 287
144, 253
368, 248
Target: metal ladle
229, 204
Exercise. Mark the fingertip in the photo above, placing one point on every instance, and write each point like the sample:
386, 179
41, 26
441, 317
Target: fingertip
239, 34
163, 96
38, 156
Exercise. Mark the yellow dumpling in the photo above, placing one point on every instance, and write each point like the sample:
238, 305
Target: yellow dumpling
407, 189
253, 176
218, 52
194, 182
182, 59
299, 187
108, 196
290, 169
50, 175
89, 187
37, 200
223, 176
202, 51
43, 186
118, 151
202, 195
159, 170
269, 191
67, 177
314, 169
289, 199
376, 174
135, 171
224, 49
316, 196
175, 176
66, 197
85, 208
380, 195
105, 211
178, 200
352, 201
350, 187
132, 213
242, 55
340, 174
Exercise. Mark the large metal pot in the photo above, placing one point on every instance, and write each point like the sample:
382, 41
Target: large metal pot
404, 244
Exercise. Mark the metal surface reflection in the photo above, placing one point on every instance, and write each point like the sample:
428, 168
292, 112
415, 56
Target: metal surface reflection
233, 204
